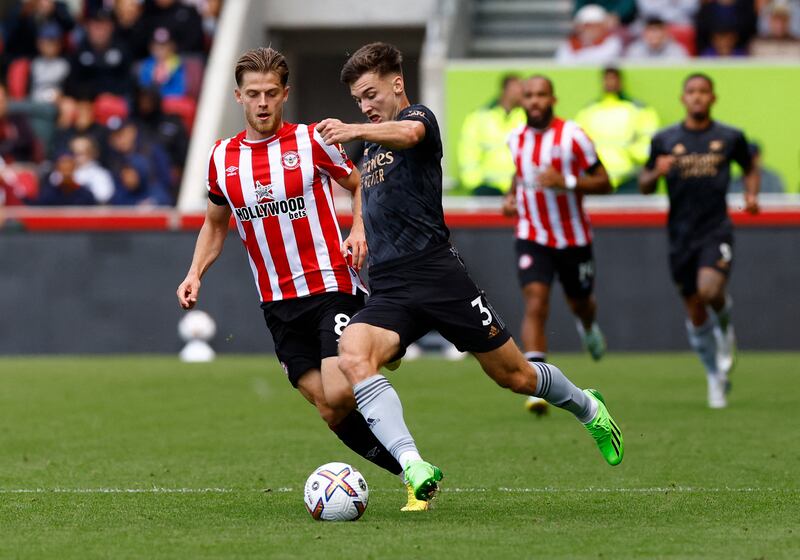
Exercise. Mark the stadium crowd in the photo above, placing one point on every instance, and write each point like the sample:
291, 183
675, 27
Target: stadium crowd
607, 31
98, 98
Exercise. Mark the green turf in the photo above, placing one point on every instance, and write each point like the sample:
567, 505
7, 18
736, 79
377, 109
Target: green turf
695, 483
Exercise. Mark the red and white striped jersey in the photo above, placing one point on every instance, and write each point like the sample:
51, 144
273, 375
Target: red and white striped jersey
279, 189
546, 216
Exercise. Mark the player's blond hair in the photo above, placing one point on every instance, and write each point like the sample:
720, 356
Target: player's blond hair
262, 60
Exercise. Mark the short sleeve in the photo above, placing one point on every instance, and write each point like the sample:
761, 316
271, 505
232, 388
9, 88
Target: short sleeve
583, 150
421, 113
215, 194
329, 159
655, 151
741, 152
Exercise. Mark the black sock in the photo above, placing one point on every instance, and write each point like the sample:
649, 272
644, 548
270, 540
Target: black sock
355, 434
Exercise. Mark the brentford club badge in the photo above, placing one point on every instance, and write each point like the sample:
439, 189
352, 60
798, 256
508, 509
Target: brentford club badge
290, 160
525, 262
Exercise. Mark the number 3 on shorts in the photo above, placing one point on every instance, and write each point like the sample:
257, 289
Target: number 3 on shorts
341, 321
484, 311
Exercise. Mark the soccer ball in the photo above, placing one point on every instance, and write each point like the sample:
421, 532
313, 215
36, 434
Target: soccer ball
197, 325
336, 492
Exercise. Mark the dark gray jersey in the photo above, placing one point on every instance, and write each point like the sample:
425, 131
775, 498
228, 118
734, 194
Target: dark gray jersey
402, 194
700, 177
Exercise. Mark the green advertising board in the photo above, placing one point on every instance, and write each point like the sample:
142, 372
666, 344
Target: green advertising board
759, 99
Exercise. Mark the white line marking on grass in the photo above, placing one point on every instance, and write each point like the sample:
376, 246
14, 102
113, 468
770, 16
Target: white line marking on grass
501, 489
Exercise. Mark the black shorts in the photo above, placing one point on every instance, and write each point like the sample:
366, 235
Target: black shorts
574, 266
306, 330
715, 251
433, 292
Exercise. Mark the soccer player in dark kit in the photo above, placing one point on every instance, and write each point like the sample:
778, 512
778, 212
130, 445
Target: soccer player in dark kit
694, 157
418, 281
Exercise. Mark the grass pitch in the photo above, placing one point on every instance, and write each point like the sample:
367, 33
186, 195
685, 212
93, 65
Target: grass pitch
145, 457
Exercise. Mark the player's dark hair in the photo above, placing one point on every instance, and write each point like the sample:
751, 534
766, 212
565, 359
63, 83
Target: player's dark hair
612, 70
262, 60
507, 79
381, 58
700, 75
546, 79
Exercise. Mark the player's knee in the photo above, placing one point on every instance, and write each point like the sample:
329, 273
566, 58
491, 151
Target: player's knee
536, 308
709, 293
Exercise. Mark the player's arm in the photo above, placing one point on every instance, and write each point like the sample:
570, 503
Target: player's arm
593, 181
509, 207
397, 135
207, 248
658, 165
356, 241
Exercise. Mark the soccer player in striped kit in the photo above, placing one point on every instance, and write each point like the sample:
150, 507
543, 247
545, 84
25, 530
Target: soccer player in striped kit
275, 178
418, 281
556, 165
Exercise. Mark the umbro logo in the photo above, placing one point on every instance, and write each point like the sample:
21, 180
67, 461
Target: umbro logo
232, 171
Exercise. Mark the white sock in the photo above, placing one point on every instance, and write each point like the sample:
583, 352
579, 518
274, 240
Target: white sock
702, 341
554, 387
378, 402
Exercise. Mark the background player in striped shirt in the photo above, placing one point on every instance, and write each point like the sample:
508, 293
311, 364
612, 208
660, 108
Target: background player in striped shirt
694, 156
275, 178
556, 165
418, 281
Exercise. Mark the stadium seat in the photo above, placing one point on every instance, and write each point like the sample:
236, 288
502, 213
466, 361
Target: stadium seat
184, 107
193, 66
685, 35
17, 78
108, 106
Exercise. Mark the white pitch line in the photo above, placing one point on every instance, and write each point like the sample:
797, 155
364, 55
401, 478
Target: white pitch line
502, 489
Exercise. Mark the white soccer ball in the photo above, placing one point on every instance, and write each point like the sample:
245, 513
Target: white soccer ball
336, 492
197, 325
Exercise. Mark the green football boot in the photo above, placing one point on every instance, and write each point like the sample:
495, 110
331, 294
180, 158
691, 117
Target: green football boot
605, 431
423, 478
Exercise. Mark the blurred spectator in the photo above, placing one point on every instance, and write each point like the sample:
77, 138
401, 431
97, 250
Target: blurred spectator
621, 130
721, 22
624, 11
49, 70
484, 159
12, 193
102, 63
182, 21
210, 12
129, 147
131, 28
61, 188
156, 126
778, 39
25, 20
164, 68
17, 141
656, 42
88, 172
769, 7
592, 41
673, 12
79, 120
724, 43
133, 188
771, 182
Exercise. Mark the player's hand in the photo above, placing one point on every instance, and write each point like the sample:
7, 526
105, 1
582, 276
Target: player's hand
664, 164
751, 203
334, 131
355, 244
509, 207
551, 179
188, 291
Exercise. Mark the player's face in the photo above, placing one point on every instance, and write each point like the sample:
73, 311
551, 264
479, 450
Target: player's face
698, 97
380, 98
538, 101
262, 96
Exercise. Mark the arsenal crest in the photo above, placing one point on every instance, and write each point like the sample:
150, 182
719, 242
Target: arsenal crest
290, 160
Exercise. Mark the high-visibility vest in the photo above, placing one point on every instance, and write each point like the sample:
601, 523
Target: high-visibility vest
484, 158
621, 130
